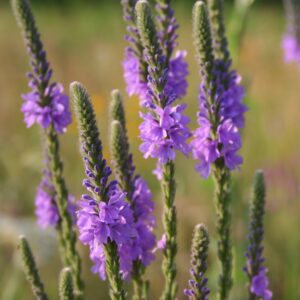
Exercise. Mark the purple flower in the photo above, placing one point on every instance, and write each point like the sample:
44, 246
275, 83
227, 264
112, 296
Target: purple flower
161, 244
291, 39
259, 285
56, 112
218, 135
291, 48
45, 206
163, 132
100, 221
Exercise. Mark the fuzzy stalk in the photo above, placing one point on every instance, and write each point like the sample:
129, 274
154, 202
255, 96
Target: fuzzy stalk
30, 270
66, 285
169, 268
221, 176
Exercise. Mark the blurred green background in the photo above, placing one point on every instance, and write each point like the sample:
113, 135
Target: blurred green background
85, 43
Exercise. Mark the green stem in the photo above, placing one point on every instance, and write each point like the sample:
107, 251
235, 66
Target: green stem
170, 230
66, 230
223, 199
113, 272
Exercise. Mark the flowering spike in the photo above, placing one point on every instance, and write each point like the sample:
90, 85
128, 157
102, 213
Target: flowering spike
198, 284
31, 270
217, 139
105, 220
220, 44
138, 195
45, 104
49, 107
66, 285
256, 271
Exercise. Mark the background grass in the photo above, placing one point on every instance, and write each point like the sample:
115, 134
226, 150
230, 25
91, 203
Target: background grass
85, 43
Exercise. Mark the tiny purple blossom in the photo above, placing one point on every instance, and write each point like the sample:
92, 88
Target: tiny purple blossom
259, 285
291, 48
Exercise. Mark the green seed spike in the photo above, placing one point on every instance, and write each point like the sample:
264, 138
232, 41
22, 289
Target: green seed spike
31, 270
199, 252
117, 111
202, 39
146, 26
120, 155
66, 285
220, 43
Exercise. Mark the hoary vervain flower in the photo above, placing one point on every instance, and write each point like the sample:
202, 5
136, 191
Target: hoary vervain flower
198, 284
104, 219
217, 140
49, 107
221, 112
291, 39
45, 104
163, 131
135, 66
255, 269
139, 252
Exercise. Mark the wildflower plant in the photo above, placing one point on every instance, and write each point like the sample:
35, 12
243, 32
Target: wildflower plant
115, 217
47, 106
217, 140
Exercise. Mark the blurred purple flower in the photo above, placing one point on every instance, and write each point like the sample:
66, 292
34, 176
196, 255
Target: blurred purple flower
259, 285
46, 210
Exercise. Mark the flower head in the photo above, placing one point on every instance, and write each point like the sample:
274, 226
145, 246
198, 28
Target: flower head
56, 112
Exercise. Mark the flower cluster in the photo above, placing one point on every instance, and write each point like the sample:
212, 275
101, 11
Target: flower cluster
55, 112
164, 128
45, 207
45, 104
220, 116
291, 39
163, 132
100, 222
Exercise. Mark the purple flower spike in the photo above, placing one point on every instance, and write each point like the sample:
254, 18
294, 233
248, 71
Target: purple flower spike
209, 144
